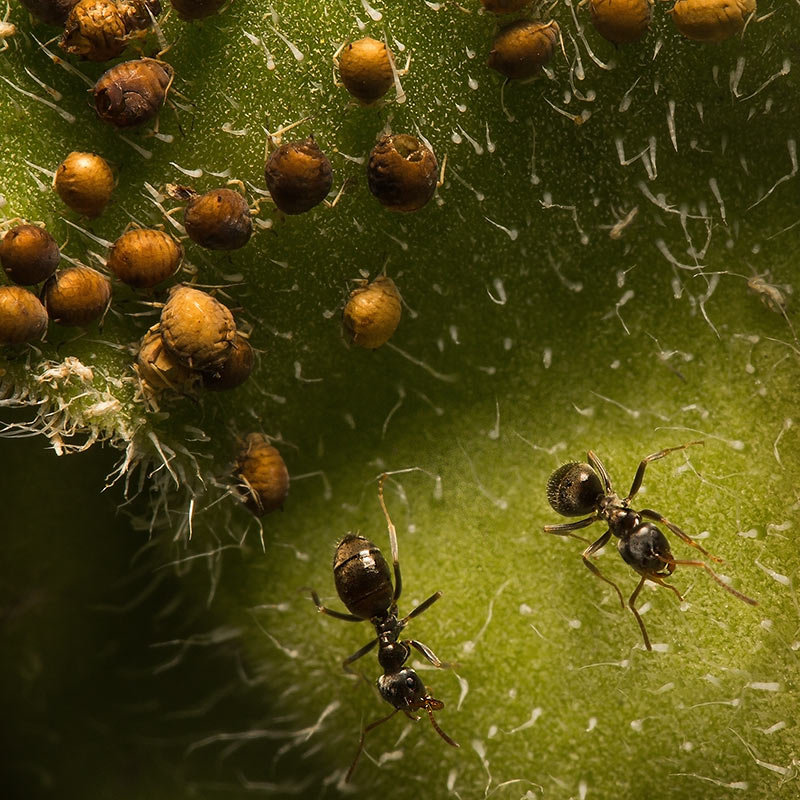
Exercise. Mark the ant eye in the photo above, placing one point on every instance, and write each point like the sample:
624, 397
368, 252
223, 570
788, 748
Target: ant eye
410, 682
574, 489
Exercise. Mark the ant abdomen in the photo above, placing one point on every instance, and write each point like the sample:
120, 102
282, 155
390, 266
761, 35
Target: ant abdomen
362, 576
574, 489
646, 549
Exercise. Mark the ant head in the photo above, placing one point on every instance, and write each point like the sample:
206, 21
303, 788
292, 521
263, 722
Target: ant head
647, 549
404, 690
574, 489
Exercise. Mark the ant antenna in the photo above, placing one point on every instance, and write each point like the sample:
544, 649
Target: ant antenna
364, 733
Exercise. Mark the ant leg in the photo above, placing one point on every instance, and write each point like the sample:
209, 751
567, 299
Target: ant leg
639, 477
636, 614
650, 514
398, 583
364, 733
362, 652
565, 528
658, 578
329, 611
590, 551
423, 606
428, 653
597, 465
743, 597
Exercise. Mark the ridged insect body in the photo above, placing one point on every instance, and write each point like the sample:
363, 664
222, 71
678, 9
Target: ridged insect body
372, 313
711, 20
521, 49
217, 220
402, 172
77, 296
22, 316
133, 92
298, 176
263, 474
85, 182
621, 21
159, 371
144, 257
236, 368
29, 254
365, 69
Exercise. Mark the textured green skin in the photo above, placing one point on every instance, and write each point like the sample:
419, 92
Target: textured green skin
664, 728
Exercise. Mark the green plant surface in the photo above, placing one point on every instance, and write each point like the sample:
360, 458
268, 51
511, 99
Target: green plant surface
537, 327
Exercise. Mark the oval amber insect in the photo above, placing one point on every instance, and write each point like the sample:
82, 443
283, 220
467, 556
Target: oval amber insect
264, 476
372, 313
711, 20
621, 21
143, 257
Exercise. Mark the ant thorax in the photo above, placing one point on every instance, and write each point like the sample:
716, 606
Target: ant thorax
621, 518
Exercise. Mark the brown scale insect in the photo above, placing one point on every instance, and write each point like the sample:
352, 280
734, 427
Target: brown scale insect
372, 313
197, 9
521, 49
218, 220
236, 369
298, 176
159, 370
197, 329
76, 296
711, 20
99, 30
22, 317
85, 182
402, 172
621, 21
53, 12
29, 254
143, 257
504, 6
365, 69
263, 474
131, 93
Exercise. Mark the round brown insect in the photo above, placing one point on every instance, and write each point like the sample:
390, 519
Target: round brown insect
53, 12
365, 68
711, 20
402, 172
372, 313
197, 329
159, 370
236, 369
264, 475
77, 296
219, 220
29, 254
131, 93
99, 30
621, 21
85, 182
504, 6
197, 9
22, 317
143, 257
298, 176
521, 49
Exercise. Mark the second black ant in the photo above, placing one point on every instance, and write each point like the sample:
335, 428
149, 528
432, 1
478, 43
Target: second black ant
364, 584
580, 488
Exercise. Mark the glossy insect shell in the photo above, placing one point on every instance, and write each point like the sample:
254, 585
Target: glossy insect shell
641, 550
95, 30
405, 689
197, 9
521, 49
711, 20
372, 313
132, 93
85, 182
574, 489
53, 12
298, 176
365, 68
29, 254
402, 172
197, 329
362, 577
264, 472
218, 220
77, 296
22, 317
143, 257
621, 21
236, 369
159, 370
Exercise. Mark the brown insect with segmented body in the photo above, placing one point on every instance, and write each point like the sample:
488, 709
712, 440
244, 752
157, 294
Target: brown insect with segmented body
372, 313
402, 172
235, 370
217, 220
76, 296
298, 176
144, 257
159, 371
29, 254
22, 316
621, 21
365, 69
521, 49
85, 182
263, 474
133, 92
711, 20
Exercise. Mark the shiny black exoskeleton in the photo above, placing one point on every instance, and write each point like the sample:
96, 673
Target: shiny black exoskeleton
364, 584
577, 489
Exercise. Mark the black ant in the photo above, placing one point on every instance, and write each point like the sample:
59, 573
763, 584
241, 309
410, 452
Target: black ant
578, 488
364, 584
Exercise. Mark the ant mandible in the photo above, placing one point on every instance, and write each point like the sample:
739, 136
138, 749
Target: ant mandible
364, 585
579, 488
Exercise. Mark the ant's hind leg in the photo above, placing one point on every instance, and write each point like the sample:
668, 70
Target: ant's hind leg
329, 611
590, 551
639, 620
